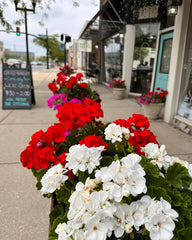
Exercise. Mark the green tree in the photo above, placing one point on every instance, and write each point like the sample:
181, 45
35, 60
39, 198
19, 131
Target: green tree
140, 53
54, 47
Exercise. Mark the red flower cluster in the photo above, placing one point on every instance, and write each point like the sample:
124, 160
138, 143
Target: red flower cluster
40, 153
117, 83
93, 141
138, 121
71, 82
66, 70
61, 78
158, 96
138, 124
52, 86
76, 115
83, 85
141, 138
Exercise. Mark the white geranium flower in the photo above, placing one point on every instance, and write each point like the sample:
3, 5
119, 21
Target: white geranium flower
189, 168
114, 190
103, 174
118, 172
136, 184
64, 231
53, 179
161, 227
97, 228
78, 234
167, 210
115, 133
82, 158
131, 163
151, 150
119, 218
135, 215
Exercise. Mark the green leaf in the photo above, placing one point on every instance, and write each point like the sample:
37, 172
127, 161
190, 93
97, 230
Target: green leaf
178, 176
38, 173
63, 195
158, 192
58, 211
176, 197
151, 169
59, 220
186, 234
53, 235
106, 161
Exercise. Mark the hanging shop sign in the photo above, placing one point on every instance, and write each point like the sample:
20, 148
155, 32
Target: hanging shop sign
148, 12
84, 45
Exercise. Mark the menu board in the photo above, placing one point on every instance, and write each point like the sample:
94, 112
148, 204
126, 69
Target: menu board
16, 88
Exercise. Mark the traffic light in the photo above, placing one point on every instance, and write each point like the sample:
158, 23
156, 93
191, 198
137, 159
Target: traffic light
18, 31
67, 39
61, 37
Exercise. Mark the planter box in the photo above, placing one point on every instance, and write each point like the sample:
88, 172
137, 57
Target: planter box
119, 93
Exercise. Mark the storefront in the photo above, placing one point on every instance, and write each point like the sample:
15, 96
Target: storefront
185, 97
149, 45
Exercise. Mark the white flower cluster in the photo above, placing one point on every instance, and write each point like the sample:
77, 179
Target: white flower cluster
82, 158
115, 133
123, 178
93, 216
53, 179
159, 157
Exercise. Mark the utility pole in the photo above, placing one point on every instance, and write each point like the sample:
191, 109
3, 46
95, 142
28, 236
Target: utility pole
47, 46
26, 29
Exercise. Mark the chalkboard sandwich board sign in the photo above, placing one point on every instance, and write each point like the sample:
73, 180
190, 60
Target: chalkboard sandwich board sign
16, 88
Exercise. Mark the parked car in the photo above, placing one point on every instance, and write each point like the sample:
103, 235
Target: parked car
12, 61
33, 63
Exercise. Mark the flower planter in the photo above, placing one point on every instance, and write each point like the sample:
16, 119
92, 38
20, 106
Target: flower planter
119, 93
152, 111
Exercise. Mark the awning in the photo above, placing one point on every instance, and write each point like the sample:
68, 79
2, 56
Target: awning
114, 15
107, 18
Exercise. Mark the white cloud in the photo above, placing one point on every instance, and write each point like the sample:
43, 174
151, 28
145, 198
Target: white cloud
63, 17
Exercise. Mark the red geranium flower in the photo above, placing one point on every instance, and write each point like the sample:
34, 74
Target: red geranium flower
52, 86
138, 121
61, 159
72, 81
93, 141
79, 76
122, 123
141, 139
83, 85
76, 115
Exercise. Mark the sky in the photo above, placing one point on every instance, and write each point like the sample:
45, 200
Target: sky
63, 17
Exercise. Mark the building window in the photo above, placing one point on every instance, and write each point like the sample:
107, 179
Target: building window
113, 57
185, 101
144, 56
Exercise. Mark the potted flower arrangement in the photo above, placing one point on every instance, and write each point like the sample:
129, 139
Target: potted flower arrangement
118, 87
152, 102
109, 181
66, 70
73, 88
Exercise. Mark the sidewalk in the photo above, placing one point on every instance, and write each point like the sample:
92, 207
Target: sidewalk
24, 212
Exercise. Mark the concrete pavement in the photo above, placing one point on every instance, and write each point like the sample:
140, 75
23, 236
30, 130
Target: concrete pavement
23, 211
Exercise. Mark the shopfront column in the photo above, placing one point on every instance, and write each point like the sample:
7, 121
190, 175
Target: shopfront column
176, 63
129, 44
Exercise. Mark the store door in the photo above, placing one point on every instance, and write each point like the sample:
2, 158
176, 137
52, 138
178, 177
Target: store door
163, 61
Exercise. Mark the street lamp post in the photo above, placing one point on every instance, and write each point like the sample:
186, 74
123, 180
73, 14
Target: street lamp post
26, 30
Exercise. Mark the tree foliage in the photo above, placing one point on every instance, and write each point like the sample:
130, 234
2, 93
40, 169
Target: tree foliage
54, 47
